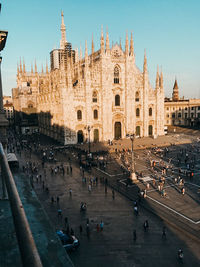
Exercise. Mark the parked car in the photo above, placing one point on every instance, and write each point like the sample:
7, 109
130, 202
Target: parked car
70, 242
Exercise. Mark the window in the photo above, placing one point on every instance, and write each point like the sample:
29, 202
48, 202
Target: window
192, 108
185, 115
168, 115
150, 111
198, 115
30, 105
198, 107
179, 115
173, 115
116, 75
94, 97
192, 115
185, 108
137, 112
28, 84
79, 115
137, 97
167, 108
117, 100
179, 109
95, 114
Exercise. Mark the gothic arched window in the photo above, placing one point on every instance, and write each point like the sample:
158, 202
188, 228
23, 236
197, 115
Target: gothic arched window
95, 114
137, 112
117, 100
137, 97
79, 115
150, 111
94, 97
116, 75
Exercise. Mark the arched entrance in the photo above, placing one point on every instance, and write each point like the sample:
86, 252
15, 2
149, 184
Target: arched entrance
150, 130
118, 130
96, 135
137, 130
80, 136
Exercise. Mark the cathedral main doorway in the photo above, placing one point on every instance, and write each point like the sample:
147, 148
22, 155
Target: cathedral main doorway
150, 130
118, 130
80, 136
96, 135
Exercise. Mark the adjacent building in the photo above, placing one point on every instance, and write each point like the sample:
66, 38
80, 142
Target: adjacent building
8, 108
180, 111
103, 96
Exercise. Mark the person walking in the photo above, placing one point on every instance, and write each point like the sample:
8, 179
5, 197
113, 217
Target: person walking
113, 194
59, 213
164, 232
80, 229
134, 235
97, 227
66, 221
57, 199
146, 225
101, 225
70, 192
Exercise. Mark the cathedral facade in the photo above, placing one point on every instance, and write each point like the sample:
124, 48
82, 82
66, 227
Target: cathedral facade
100, 97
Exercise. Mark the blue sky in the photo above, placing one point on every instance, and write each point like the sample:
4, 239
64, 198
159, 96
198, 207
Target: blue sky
169, 30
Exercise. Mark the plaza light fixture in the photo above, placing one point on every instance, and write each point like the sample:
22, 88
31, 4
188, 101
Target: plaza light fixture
132, 174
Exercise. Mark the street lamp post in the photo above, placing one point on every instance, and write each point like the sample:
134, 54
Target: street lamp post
88, 128
132, 174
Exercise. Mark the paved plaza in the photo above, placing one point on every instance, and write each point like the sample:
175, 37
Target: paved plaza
115, 245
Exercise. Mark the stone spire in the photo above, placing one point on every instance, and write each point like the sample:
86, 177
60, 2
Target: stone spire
47, 70
175, 94
31, 68
24, 68
92, 45
102, 40
131, 45
107, 43
42, 69
126, 45
157, 78
86, 55
161, 80
20, 65
120, 42
80, 53
63, 33
76, 55
145, 62
35, 67
17, 68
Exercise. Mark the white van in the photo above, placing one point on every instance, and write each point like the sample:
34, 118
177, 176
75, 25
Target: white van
12, 160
